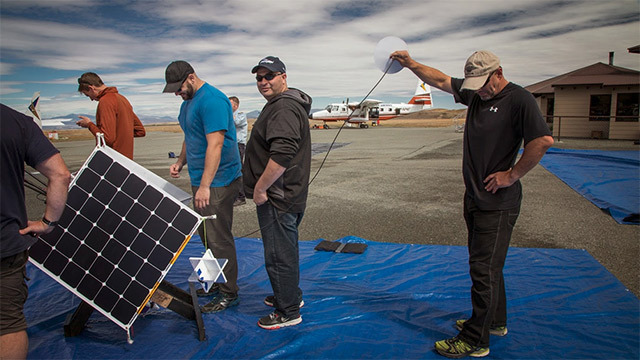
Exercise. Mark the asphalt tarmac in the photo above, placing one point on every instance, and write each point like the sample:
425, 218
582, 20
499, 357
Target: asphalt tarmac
404, 185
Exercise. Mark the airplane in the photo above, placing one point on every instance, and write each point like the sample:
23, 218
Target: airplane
34, 107
373, 110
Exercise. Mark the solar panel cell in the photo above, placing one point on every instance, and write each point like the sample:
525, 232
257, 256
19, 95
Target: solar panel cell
133, 186
104, 192
116, 174
150, 198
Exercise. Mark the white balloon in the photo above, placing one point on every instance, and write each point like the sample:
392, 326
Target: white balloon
384, 49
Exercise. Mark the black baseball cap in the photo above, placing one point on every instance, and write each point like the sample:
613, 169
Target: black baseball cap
176, 74
271, 63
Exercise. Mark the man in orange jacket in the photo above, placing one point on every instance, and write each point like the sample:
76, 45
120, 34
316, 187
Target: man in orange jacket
114, 117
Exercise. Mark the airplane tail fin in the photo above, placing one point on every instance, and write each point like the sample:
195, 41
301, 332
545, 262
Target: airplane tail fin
34, 107
422, 96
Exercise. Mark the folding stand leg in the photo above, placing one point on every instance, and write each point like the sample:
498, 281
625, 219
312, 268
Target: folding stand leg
74, 323
196, 307
173, 298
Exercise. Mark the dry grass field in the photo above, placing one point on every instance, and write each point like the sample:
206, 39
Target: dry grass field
426, 118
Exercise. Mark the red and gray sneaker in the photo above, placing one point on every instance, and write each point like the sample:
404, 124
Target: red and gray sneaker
276, 321
270, 300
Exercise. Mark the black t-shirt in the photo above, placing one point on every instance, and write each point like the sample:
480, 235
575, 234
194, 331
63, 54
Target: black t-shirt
21, 140
493, 134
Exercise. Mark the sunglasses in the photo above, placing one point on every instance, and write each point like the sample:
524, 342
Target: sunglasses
270, 76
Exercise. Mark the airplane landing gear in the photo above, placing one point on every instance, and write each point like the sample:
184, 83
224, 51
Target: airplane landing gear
364, 126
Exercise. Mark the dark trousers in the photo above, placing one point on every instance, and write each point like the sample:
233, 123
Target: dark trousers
241, 148
218, 235
281, 258
489, 234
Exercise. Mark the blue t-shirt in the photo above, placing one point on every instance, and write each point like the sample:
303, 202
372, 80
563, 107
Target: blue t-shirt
209, 111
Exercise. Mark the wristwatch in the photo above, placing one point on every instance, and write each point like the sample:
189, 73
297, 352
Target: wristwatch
49, 223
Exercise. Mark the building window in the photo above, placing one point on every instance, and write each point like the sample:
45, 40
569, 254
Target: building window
627, 107
550, 105
600, 108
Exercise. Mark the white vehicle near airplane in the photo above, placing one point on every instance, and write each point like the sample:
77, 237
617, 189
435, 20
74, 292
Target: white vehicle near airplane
358, 114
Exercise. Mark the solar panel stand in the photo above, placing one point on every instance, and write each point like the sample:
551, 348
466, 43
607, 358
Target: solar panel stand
167, 296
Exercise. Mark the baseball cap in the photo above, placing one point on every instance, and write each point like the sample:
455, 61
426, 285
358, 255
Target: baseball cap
272, 63
478, 68
176, 74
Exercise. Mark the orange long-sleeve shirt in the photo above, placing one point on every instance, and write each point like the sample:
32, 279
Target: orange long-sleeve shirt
117, 121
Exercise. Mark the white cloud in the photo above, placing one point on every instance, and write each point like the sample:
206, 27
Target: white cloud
327, 45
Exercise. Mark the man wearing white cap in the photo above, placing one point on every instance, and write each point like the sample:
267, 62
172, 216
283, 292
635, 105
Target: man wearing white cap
500, 116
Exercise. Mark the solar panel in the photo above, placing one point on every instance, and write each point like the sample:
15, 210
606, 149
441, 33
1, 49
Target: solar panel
121, 230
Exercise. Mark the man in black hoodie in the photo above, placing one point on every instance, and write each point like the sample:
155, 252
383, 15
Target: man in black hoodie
276, 176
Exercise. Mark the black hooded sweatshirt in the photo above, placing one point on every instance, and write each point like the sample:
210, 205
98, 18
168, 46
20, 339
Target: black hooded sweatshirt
281, 133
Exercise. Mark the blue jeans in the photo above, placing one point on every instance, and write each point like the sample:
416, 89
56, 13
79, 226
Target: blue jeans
281, 258
489, 234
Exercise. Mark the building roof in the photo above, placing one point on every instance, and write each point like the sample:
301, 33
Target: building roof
599, 74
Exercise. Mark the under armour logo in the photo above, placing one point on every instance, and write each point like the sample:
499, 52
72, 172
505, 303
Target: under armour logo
494, 109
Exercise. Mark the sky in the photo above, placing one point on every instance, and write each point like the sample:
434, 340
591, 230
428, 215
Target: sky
327, 45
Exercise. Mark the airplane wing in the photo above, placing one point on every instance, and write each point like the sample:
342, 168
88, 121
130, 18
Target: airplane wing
369, 103
53, 123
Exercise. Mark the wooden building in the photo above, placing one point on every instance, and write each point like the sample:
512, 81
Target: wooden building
596, 101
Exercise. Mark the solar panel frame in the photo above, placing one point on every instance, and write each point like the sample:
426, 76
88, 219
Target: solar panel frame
114, 243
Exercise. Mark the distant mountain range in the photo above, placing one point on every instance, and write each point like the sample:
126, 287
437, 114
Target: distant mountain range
69, 120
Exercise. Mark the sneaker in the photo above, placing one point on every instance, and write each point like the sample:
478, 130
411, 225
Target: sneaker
212, 291
219, 303
456, 348
239, 202
497, 330
276, 321
271, 299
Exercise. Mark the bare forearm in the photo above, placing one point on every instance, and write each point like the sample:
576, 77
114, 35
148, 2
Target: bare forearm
431, 76
211, 163
215, 141
531, 155
56, 171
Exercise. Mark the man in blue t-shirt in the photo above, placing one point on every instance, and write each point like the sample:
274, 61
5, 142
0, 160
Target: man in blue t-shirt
210, 150
500, 116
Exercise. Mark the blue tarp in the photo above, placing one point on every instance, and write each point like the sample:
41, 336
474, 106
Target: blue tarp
609, 179
391, 302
